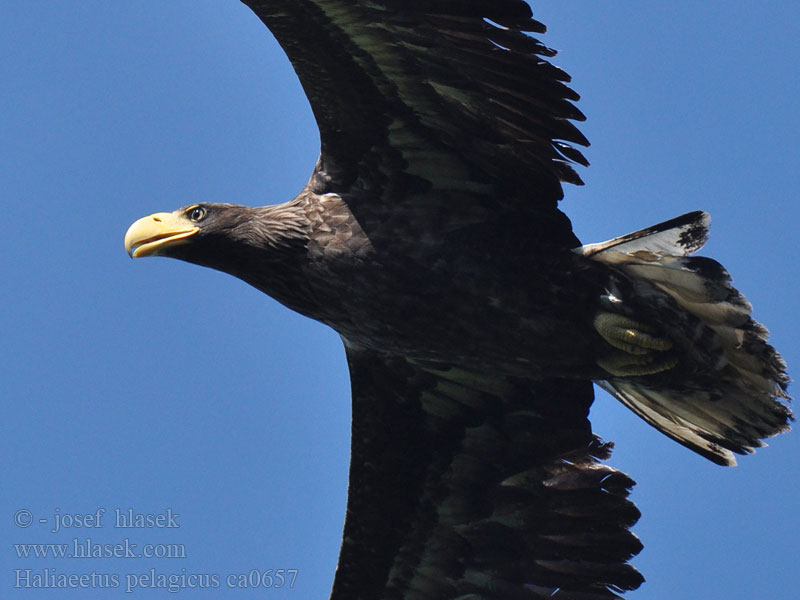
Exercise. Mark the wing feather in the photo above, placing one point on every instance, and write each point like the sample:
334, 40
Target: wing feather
462, 79
466, 485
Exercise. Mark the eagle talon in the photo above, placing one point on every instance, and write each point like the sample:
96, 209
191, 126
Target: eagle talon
639, 346
621, 364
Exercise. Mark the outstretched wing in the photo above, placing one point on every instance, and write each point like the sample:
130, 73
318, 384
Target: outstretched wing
449, 95
463, 485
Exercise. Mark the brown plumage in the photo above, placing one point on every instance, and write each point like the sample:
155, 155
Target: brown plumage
429, 237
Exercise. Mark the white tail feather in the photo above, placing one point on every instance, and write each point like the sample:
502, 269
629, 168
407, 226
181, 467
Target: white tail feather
724, 395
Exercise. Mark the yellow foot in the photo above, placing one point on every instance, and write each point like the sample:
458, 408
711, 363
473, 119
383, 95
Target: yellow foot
621, 364
641, 350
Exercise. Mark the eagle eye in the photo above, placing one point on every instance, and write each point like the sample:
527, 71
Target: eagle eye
198, 213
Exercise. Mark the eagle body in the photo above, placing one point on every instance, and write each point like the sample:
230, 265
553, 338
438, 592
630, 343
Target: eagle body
474, 322
370, 290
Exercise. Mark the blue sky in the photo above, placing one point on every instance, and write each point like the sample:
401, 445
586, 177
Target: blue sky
156, 385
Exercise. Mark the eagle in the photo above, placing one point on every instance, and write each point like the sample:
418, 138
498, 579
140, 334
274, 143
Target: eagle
474, 321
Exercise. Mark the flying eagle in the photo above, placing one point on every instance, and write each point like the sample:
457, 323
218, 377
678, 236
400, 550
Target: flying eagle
429, 237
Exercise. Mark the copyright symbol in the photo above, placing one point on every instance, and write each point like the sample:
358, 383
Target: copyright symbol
23, 518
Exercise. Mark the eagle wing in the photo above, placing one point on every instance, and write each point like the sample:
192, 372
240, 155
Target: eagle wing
466, 485
448, 96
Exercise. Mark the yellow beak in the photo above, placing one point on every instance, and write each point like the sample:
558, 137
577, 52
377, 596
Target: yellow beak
150, 235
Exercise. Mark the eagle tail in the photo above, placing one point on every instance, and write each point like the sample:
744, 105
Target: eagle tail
727, 391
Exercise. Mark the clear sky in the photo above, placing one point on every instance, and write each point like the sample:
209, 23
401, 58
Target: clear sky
156, 385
